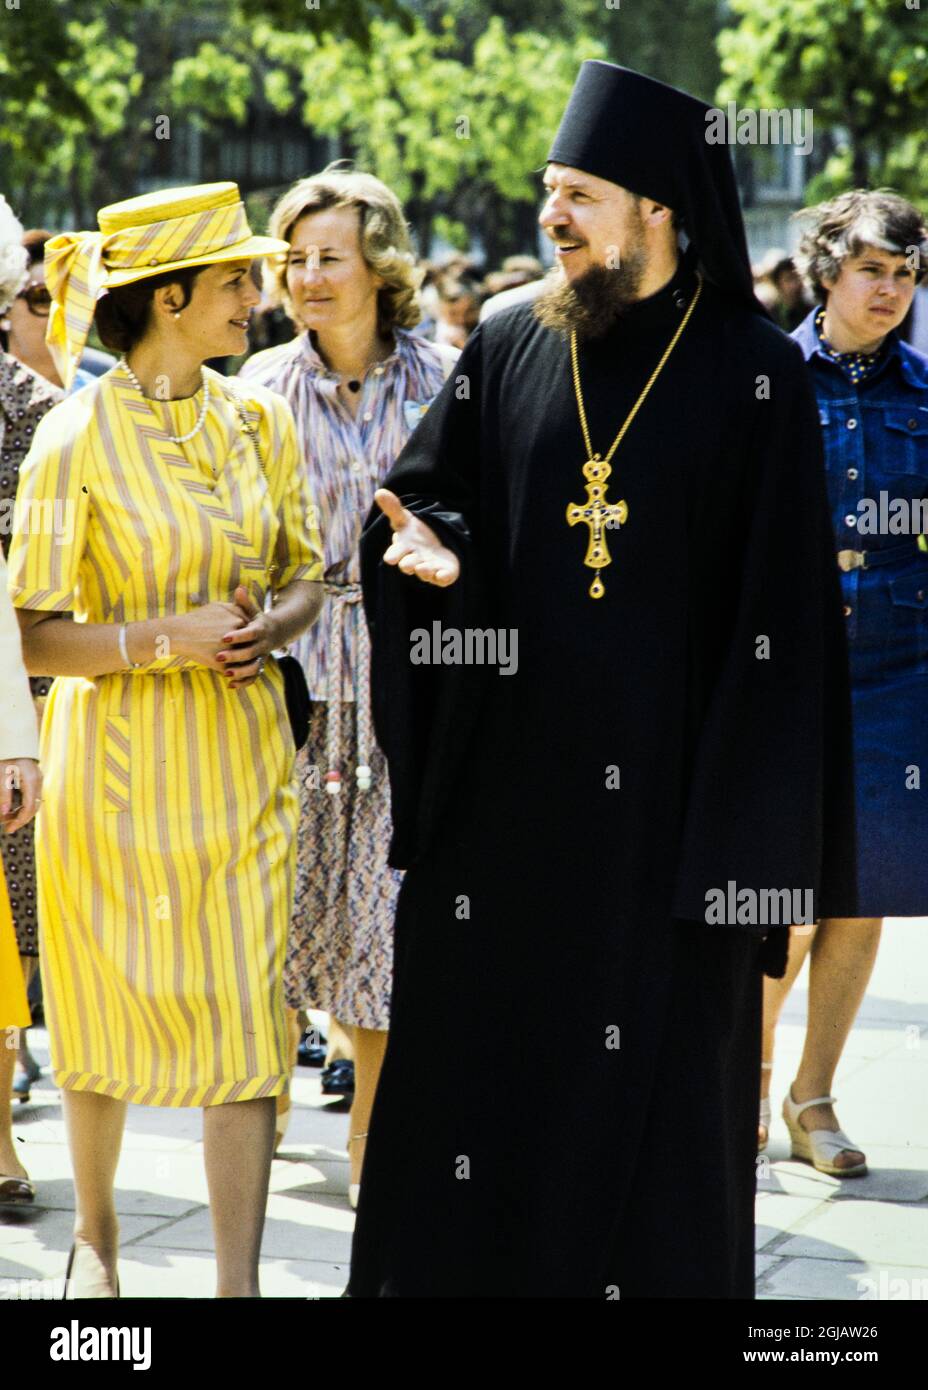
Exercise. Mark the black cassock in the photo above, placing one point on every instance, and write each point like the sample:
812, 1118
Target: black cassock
568, 1104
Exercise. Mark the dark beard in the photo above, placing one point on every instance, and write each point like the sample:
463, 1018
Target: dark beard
590, 305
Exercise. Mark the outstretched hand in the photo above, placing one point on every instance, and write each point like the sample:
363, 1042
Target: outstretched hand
415, 548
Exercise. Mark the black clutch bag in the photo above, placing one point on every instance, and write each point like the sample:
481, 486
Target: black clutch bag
296, 694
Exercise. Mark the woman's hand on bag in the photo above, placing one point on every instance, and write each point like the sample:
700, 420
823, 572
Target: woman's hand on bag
201, 634
246, 647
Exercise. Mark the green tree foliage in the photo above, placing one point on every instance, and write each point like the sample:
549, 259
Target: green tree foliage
670, 40
452, 102
82, 83
452, 138
861, 66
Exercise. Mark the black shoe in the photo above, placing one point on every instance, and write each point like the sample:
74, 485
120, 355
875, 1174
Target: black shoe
312, 1049
338, 1078
22, 1086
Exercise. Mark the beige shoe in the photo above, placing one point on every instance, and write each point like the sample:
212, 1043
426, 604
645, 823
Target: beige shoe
820, 1147
94, 1283
764, 1116
763, 1122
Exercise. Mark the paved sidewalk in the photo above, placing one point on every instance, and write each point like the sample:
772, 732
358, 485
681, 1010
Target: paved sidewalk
820, 1237
816, 1237
161, 1197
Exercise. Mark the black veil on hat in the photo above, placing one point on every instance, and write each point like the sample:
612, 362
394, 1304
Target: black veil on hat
651, 139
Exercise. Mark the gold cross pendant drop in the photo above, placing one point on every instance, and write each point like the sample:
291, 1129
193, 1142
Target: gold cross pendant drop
597, 513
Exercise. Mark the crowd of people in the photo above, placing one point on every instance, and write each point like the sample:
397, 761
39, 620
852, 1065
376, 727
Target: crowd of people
197, 865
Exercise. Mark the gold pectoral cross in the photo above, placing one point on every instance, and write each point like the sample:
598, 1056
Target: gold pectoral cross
597, 513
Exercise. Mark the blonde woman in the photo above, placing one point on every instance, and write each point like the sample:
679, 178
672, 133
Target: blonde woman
166, 840
358, 379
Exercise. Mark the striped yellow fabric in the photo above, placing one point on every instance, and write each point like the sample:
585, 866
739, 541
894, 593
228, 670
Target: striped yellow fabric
166, 840
14, 1006
75, 276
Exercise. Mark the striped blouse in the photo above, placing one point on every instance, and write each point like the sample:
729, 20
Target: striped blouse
346, 459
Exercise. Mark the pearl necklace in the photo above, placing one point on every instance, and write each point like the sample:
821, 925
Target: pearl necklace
174, 438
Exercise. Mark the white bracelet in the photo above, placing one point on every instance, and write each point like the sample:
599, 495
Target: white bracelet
124, 650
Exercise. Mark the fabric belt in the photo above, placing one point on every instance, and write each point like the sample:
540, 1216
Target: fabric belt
886, 555
340, 595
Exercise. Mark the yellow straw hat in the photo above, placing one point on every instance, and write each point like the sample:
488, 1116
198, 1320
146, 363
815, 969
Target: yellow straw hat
173, 229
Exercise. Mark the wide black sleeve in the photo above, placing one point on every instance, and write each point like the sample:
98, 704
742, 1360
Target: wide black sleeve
771, 799
424, 714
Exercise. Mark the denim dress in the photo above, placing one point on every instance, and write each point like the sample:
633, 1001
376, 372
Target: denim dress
876, 451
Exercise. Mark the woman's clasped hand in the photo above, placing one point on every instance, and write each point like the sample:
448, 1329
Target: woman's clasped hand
232, 637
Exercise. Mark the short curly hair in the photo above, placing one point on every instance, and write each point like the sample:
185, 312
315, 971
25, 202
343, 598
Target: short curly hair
385, 242
845, 225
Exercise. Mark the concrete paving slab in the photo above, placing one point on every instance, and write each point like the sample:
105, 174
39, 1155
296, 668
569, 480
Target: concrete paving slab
777, 1213
854, 1280
36, 1244
855, 1229
147, 1273
309, 1228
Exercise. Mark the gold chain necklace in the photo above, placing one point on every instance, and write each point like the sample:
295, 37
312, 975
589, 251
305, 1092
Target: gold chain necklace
596, 511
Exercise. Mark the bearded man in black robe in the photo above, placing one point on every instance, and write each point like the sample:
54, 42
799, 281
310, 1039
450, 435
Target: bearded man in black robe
597, 831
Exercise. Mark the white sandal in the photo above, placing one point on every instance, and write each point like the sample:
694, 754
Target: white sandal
820, 1147
764, 1116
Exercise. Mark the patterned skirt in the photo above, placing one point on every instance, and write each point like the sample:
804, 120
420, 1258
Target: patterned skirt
18, 854
340, 955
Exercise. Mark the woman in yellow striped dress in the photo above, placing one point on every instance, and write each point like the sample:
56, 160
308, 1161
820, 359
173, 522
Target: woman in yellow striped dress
163, 507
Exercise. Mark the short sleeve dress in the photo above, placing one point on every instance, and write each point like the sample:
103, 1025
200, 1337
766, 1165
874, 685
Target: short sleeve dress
166, 839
